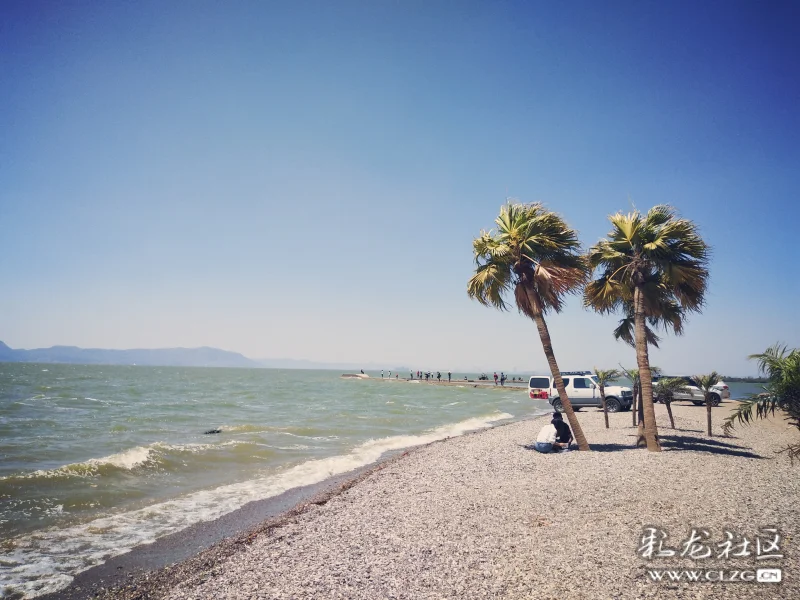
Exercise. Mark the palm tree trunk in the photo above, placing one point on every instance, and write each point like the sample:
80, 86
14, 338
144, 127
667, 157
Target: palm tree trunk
708, 413
603, 398
641, 442
634, 406
547, 346
669, 412
645, 378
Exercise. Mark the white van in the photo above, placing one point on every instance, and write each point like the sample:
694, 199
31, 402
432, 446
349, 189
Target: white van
582, 390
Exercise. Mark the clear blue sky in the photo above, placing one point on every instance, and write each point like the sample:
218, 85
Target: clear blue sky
305, 179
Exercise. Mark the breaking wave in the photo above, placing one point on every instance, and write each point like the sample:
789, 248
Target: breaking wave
48, 560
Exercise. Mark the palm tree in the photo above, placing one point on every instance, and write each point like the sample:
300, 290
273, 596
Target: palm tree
705, 383
648, 262
633, 375
604, 378
664, 391
535, 255
782, 391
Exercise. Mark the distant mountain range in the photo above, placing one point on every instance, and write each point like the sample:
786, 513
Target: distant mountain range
163, 357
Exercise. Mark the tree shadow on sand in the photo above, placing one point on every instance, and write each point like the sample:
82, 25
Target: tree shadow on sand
687, 442
677, 443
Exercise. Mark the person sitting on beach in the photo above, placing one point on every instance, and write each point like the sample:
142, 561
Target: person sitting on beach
546, 439
554, 437
564, 432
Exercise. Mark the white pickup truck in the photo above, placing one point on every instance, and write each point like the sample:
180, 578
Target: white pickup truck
582, 390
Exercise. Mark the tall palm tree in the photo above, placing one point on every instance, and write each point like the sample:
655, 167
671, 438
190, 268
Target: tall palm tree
782, 391
705, 383
534, 254
664, 391
647, 261
603, 379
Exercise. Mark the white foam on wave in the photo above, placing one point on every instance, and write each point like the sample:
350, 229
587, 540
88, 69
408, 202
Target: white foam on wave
48, 560
128, 459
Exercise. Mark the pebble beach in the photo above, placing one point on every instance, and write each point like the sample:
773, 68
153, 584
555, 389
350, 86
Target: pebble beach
483, 516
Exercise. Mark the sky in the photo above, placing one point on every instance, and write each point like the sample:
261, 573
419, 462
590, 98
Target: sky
305, 179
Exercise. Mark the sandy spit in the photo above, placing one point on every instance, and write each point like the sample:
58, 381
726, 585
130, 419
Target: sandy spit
481, 516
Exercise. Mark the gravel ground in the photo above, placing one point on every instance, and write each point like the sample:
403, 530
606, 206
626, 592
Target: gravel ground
481, 516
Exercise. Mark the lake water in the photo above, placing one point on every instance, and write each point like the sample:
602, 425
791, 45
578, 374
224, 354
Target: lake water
99, 459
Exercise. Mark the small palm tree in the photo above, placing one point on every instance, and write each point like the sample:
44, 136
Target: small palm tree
536, 256
706, 383
648, 261
664, 391
603, 379
782, 391
633, 375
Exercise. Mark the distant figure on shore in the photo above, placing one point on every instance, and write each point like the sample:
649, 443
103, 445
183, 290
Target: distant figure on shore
362, 371
390, 374
449, 376
439, 376
503, 378
495, 377
564, 432
381, 373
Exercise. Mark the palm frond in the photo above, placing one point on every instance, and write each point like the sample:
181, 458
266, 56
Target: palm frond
764, 404
706, 382
665, 389
489, 285
625, 332
604, 377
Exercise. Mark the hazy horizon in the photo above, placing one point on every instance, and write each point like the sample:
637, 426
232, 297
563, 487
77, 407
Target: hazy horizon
401, 368
305, 180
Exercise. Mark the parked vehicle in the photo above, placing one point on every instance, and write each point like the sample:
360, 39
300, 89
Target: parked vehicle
582, 390
694, 394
